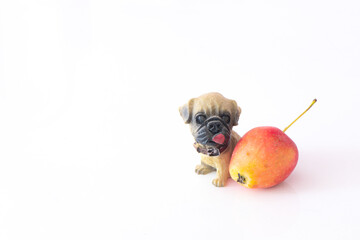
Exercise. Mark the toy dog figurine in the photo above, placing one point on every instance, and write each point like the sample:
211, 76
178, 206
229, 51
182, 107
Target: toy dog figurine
211, 118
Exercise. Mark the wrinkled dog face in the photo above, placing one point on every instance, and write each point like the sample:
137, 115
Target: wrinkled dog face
212, 130
211, 118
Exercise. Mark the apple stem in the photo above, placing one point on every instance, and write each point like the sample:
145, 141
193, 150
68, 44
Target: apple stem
313, 102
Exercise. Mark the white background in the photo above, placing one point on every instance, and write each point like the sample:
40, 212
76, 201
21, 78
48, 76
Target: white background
92, 145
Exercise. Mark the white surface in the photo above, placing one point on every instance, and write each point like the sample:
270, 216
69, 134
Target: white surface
92, 145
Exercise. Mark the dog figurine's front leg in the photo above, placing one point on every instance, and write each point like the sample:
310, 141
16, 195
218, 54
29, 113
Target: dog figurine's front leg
222, 172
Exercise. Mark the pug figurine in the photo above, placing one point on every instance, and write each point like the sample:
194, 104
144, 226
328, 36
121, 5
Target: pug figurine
211, 118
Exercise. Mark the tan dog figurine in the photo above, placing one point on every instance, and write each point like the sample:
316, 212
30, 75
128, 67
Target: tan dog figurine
211, 118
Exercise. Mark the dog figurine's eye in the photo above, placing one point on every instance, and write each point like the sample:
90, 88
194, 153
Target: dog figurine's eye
226, 118
200, 119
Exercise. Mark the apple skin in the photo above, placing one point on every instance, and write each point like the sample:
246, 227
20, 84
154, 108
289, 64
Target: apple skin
264, 157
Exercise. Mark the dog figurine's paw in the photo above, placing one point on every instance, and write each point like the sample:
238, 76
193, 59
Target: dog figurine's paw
203, 169
218, 182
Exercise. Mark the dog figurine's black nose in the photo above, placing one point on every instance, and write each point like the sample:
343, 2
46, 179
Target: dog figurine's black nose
214, 127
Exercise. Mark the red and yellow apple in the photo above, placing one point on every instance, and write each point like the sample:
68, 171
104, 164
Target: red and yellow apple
264, 157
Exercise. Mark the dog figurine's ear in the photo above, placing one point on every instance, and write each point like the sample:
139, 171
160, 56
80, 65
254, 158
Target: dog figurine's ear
186, 111
236, 113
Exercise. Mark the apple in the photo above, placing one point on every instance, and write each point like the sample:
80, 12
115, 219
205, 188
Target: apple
264, 157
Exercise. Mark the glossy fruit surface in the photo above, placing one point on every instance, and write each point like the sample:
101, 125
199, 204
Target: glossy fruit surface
264, 157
